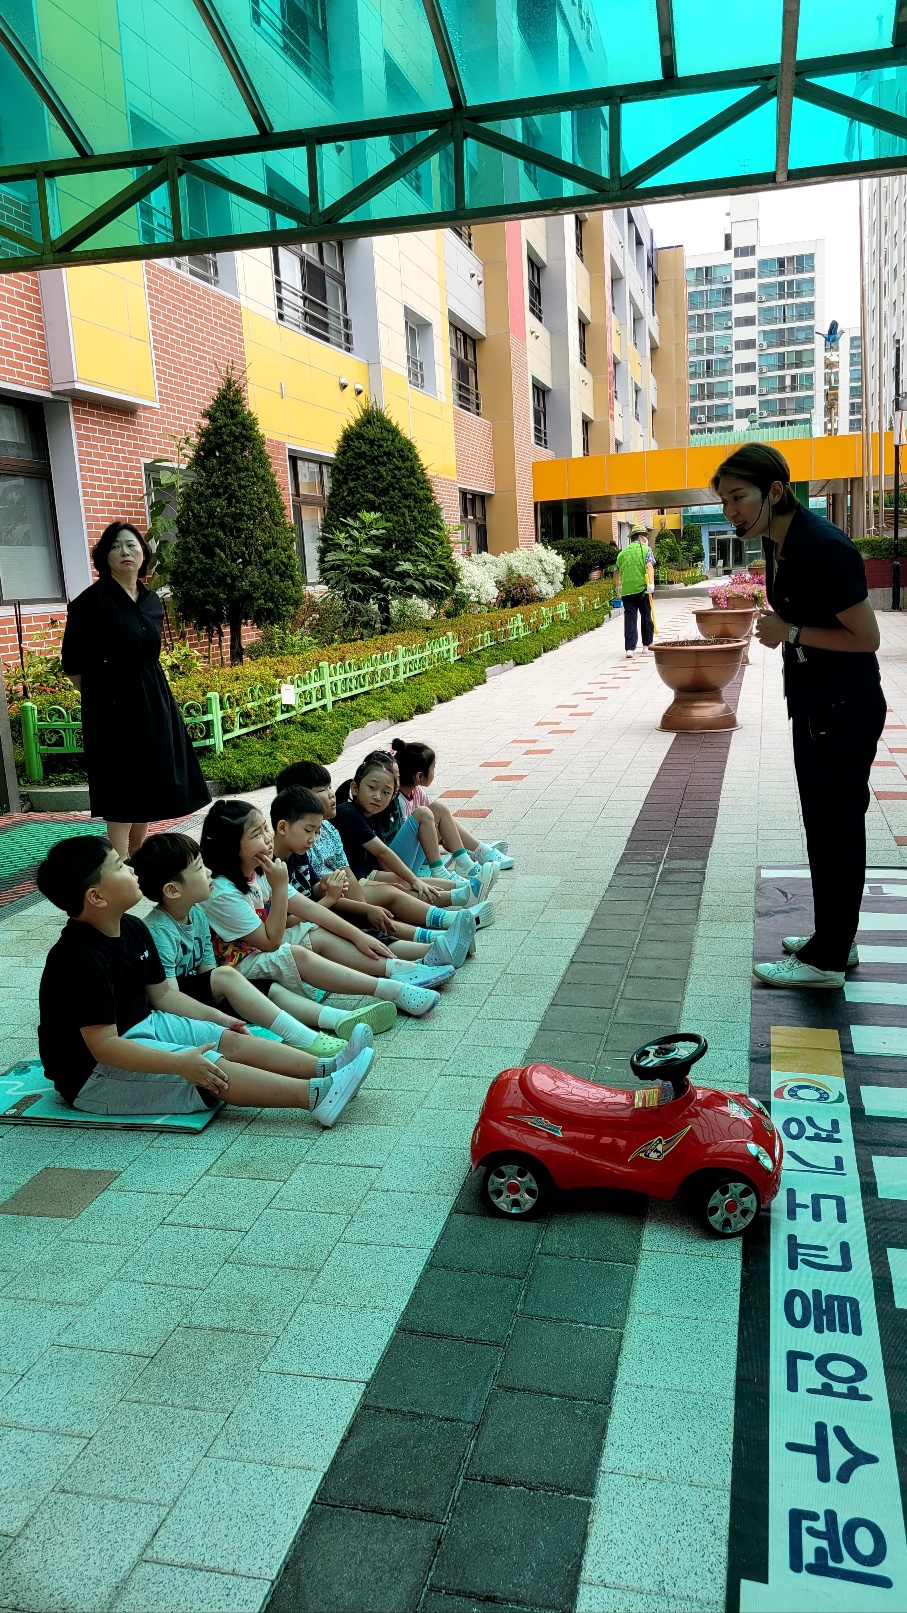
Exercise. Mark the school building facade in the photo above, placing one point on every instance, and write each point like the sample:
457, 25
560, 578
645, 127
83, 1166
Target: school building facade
493, 348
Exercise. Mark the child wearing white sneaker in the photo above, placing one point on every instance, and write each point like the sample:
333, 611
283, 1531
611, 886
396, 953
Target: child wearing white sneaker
416, 768
250, 908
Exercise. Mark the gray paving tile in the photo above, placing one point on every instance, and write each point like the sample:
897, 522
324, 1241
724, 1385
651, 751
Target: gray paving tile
143, 1453
288, 1420
238, 1517
204, 1368
74, 1553
189, 1590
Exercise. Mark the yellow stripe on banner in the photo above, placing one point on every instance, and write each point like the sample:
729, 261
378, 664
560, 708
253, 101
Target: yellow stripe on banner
803, 1050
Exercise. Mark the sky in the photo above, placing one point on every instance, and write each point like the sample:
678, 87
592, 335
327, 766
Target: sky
803, 213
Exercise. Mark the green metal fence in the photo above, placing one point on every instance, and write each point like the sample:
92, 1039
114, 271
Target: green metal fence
219, 718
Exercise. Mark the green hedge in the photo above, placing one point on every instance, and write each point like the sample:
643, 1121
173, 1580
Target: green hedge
252, 763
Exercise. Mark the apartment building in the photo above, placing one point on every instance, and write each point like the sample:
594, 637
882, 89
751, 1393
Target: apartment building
884, 279
635, 329
753, 312
844, 382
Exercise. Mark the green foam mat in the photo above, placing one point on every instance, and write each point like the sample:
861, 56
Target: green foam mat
27, 1097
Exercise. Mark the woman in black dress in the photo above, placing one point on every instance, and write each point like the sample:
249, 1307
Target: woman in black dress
139, 758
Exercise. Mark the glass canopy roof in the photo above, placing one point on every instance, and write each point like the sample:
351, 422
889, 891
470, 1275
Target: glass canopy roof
142, 128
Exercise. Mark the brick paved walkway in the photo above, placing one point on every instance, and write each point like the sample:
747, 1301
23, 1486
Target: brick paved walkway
181, 1362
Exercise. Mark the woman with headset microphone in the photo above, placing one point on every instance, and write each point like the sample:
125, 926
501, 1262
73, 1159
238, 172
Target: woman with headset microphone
821, 617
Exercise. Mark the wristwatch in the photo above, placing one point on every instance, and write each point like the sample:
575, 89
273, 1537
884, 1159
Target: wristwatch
793, 635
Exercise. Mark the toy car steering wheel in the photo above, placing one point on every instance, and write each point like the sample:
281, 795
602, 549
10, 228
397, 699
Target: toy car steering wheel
672, 1056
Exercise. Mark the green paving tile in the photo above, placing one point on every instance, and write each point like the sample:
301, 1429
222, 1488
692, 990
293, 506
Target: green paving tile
239, 1517
134, 1318
231, 1204
186, 1256
368, 1275
407, 1220
438, 1377
664, 1433
166, 1170
342, 1550
68, 1271
290, 1238
356, 1145
188, 1590
687, 1285
121, 1217
266, 1159
394, 1462
334, 1189
591, 1291
692, 1556
143, 1453
31, 1464
412, 1168
463, 1305
605, 1599
74, 1553
27, 1327
707, 1348
69, 1391
25, 1238
559, 1358
331, 1341
503, 1541
611, 1232
470, 1243
540, 1441
249, 1299
291, 1421
203, 1368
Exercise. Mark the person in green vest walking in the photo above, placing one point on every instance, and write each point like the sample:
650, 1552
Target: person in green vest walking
634, 580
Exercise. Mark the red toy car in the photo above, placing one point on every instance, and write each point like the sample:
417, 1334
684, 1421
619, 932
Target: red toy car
540, 1127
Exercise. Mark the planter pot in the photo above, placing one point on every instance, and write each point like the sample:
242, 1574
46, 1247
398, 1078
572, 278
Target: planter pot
738, 602
736, 623
698, 672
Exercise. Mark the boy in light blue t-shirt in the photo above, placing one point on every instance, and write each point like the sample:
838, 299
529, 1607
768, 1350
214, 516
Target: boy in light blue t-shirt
171, 873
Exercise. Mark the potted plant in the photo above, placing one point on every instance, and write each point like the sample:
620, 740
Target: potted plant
699, 671
738, 592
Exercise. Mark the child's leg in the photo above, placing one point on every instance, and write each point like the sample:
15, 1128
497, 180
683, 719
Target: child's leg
344, 952
451, 836
291, 1021
330, 976
259, 1089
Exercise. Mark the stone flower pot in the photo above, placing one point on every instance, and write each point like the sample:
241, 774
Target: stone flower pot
727, 623
699, 671
738, 602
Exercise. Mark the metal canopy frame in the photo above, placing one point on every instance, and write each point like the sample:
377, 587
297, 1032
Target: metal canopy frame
449, 127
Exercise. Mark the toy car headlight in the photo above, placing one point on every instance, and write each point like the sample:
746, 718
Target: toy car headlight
765, 1160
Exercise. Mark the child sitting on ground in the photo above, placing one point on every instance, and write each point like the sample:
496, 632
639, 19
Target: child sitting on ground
297, 816
362, 825
416, 769
171, 873
117, 1037
248, 912
413, 838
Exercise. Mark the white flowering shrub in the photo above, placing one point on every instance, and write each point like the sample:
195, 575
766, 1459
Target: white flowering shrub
541, 565
476, 587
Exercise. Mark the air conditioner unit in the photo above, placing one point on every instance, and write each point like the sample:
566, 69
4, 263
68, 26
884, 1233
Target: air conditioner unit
701, 419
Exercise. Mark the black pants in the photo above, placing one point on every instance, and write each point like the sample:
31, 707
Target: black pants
640, 603
833, 753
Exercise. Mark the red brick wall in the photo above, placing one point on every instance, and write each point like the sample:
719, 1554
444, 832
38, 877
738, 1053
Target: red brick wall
474, 450
525, 451
448, 495
23, 350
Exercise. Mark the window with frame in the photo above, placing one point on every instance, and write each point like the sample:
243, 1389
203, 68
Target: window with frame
705, 368
744, 391
742, 320
539, 415
697, 323
747, 345
473, 522
464, 370
745, 369
578, 236
744, 251
415, 367
534, 274
465, 234
299, 31
30, 568
585, 432
581, 330
745, 274
310, 484
709, 274
401, 97
310, 285
707, 345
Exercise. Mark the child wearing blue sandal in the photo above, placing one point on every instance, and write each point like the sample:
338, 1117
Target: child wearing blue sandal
416, 770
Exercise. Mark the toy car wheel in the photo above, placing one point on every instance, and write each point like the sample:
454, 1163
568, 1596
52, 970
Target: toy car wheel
730, 1204
515, 1186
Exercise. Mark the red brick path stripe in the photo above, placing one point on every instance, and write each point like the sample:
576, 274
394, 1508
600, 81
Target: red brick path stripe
494, 764
508, 778
890, 795
538, 753
473, 812
458, 795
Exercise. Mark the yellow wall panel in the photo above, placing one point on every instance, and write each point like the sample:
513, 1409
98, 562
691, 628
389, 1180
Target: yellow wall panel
111, 333
314, 409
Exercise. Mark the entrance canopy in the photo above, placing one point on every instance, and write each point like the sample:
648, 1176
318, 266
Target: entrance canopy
142, 128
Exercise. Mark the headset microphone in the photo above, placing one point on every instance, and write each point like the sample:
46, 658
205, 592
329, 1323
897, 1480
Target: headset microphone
742, 531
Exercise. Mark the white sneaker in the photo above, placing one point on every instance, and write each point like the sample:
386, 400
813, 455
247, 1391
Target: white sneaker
629, 654
794, 943
481, 880
360, 1039
422, 974
413, 1000
790, 972
452, 945
500, 845
500, 858
483, 913
343, 1087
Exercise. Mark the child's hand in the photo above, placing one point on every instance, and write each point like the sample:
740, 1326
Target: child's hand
237, 1025
275, 871
423, 890
336, 882
381, 919
371, 948
199, 1072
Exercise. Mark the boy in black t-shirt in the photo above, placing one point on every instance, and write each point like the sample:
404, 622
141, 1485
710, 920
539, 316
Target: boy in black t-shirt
117, 1037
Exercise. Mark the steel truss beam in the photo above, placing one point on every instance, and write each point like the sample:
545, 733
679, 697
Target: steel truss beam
440, 129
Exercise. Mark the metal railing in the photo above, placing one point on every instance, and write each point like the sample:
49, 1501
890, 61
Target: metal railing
316, 318
290, 43
216, 719
466, 396
415, 371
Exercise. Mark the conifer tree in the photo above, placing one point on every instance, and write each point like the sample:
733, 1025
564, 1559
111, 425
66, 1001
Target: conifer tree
377, 469
235, 557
